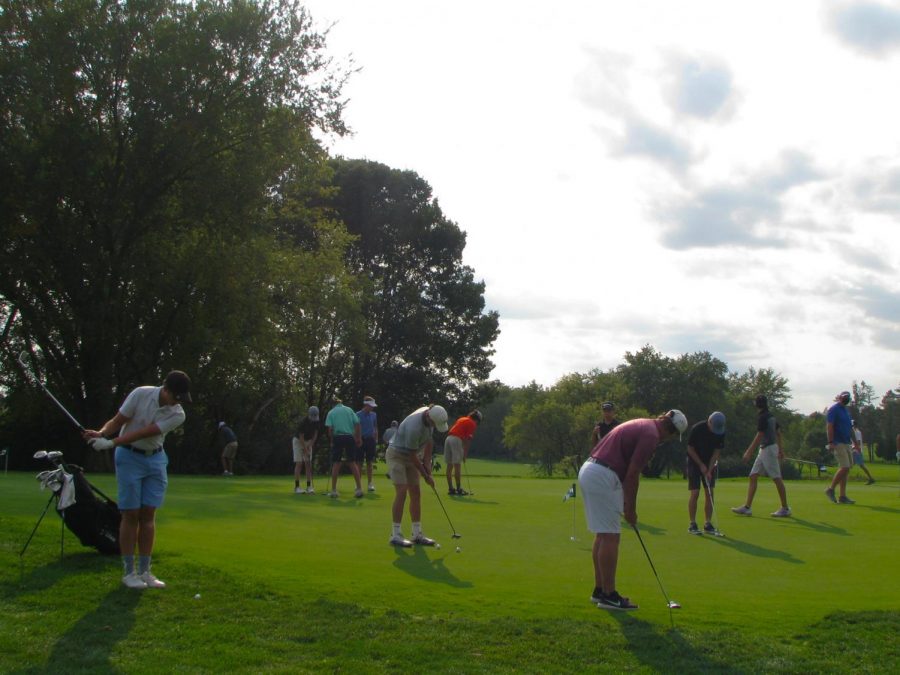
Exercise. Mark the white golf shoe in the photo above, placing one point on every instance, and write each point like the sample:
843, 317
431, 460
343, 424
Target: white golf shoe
400, 540
134, 580
422, 540
151, 581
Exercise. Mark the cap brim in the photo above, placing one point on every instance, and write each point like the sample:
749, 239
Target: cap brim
441, 427
184, 398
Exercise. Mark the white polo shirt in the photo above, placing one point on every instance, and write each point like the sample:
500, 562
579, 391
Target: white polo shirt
142, 408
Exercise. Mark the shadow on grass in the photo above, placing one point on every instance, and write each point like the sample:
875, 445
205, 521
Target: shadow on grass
825, 528
416, 562
646, 528
882, 509
667, 650
755, 549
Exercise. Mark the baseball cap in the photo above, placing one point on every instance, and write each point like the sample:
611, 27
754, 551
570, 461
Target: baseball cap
716, 423
439, 416
368, 400
221, 424
607, 405
843, 397
476, 415
313, 413
761, 401
678, 419
179, 384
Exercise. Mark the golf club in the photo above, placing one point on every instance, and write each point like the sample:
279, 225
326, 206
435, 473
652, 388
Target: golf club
468, 482
671, 604
716, 532
47, 391
455, 535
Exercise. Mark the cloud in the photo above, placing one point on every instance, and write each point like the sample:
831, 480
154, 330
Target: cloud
879, 302
742, 213
642, 139
700, 89
868, 27
878, 190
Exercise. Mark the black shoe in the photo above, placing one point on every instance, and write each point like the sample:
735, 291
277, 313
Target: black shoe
597, 596
451, 492
461, 492
708, 527
693, 529
615, 601
870, 481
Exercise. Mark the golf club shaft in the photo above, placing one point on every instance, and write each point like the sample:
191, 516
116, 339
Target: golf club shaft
434, 489
50, 394
652, 567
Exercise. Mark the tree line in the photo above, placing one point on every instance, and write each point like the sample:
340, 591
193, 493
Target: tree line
551, 426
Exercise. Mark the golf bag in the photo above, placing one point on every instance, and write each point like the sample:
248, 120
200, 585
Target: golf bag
87, 513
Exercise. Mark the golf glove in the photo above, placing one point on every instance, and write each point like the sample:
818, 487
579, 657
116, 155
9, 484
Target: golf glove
101, 444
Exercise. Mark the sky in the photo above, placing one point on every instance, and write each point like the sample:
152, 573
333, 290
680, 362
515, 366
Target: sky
697, 175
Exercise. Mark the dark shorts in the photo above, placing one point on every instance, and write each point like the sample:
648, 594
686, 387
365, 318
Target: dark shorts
344, 448
368, 448
694, 483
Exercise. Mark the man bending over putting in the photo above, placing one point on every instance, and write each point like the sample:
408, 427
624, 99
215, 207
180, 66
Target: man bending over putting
405, 466
609, 482
137, 432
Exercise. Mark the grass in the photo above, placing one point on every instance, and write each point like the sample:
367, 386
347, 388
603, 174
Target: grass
292, 583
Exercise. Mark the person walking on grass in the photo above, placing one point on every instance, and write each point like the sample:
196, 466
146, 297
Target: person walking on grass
768, 459
456, 449
229, 451
705, 442
609, 482
839, 428
344, 435
858, 458
408, 457
302, 444
368, 427
137, 432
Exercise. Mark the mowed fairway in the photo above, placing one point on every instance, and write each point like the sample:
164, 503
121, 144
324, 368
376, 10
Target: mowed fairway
767, 594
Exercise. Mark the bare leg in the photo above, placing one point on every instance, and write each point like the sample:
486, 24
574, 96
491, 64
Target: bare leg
692, 505
782, 494
606, 559
146, 530
335, 468
399, 501
751, 488
128, 531
415, 503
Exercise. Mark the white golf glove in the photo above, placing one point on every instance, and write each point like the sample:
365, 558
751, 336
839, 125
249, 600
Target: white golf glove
101, 444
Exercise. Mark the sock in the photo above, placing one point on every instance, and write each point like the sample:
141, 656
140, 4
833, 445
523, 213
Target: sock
417, 529
143, 563
128, 564
396, 530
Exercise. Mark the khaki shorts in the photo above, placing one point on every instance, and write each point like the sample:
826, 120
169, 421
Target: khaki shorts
767, 463
401, 469
230, 450
842, 455
302, 449
603, 497
453, 450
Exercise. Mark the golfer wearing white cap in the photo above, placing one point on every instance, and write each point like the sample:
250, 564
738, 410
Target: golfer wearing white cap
368, 427
414, 436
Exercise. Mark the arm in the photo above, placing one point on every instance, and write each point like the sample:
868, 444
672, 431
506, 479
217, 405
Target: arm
753, 445
595, 435
357, 434
829, 429
712, 464
696, 459
466, 443
424, 462
778, 440
112, 427
630, 490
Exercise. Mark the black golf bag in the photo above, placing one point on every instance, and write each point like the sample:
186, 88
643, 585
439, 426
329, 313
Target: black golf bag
94, 517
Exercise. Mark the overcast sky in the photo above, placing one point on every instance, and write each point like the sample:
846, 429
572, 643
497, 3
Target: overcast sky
698, 176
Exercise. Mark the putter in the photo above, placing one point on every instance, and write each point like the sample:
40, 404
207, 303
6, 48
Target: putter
455, 535
716, 532
468, 482
671, 604
47, 391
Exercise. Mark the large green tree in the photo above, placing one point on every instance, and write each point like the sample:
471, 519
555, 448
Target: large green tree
140, 143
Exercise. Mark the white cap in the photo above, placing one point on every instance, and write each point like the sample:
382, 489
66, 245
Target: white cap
678, 419
439, 416
369, 401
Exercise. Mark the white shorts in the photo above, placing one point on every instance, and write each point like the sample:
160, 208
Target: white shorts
453, 450
604, 500
302, 449
767, 463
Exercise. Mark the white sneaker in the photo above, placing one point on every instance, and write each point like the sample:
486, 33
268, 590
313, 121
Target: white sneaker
400, 540
298, 490
422, 540
358, 494
134, 581
782, 512
333, 494
151, 581
371, 487
310, 490
743, 510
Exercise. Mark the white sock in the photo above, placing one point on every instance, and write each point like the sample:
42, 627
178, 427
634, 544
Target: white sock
397, 532
417, 529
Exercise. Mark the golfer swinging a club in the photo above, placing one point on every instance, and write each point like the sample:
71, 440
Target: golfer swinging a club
137, 433
609, 482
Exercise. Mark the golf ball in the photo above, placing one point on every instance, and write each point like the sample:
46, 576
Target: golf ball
437, 546
197, 597
458, 549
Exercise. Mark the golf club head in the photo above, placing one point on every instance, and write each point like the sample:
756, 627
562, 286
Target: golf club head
673, 605
54, 454
456, 535
40, 454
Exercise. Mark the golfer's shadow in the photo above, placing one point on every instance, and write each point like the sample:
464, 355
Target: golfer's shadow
417, 563
660, 650
104, 627
755, 549
825, 528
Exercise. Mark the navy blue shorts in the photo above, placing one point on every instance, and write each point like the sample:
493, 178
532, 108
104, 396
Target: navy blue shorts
368, 448
343, 448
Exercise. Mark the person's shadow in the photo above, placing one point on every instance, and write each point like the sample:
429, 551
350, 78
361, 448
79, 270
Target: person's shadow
754, 549
417, 563
659, 649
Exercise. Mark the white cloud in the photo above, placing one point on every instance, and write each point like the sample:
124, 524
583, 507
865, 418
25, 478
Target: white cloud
868, 27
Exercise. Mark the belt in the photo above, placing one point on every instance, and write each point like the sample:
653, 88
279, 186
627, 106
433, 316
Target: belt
597, 461
142, 451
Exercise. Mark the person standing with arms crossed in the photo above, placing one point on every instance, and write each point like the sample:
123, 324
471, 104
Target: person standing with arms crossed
302, 445
838, 426
414, 436
768, 459
343, 432
137, 432
456, 449
607, 424
705, 442
609, 482
368, 428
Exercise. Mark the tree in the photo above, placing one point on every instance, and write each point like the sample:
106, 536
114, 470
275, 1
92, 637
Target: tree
140, 143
